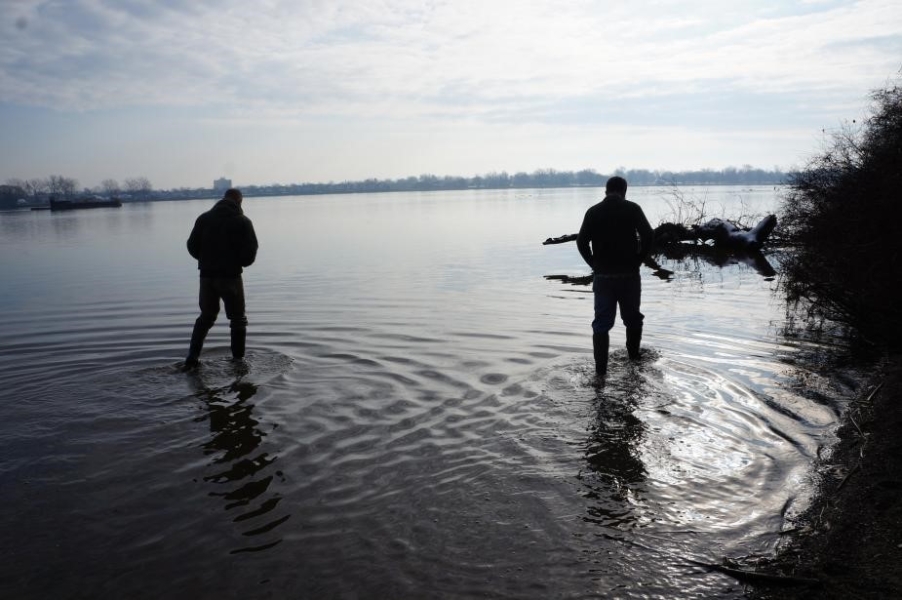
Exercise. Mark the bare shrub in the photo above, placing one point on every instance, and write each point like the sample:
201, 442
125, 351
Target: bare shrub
842, 212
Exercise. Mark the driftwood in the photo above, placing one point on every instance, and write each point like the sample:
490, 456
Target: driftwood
757, 577
721, 233
718, 242
570, 237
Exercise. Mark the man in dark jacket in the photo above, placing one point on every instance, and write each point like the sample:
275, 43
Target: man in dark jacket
621, 239
223, 242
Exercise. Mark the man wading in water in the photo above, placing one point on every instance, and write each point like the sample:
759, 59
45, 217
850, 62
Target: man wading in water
621, 239
223, 242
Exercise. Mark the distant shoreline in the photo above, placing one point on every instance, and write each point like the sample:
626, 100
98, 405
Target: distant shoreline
141, 189
252, 193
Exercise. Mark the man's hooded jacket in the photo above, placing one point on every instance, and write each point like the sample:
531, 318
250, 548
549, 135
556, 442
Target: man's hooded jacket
223, 241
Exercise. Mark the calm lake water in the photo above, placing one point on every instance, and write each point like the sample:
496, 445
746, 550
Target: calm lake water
415, 418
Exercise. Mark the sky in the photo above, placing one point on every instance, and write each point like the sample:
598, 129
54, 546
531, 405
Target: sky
287, 91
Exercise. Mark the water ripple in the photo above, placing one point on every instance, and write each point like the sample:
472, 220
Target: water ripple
425, 426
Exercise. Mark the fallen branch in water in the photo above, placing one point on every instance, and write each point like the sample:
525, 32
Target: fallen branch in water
718, 241
722, 234
874, 393
851, 472
570, 237
756, 577
863, 437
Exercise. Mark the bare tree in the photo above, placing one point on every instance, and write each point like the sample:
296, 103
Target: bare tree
54, 184
842, 270
70, 186
36, 187
138, 186
62, 186
109, 187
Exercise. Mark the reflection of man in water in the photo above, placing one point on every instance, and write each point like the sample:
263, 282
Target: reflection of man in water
244, 474
620, 238
223, 242
613, 449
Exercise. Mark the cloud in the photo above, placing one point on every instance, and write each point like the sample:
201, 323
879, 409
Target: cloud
404, 58
390, 87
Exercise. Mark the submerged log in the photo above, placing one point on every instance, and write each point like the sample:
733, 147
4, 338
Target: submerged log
718, 242
570, 237
757, 577
723, 234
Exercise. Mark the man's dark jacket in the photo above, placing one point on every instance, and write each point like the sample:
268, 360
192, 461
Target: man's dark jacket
223, 241
620, 235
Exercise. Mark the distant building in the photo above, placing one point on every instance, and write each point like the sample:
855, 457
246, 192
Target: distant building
221, 184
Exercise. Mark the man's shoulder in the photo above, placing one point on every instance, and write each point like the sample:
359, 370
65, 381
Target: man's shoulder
595, 208
604, 206
634, 205
204, 216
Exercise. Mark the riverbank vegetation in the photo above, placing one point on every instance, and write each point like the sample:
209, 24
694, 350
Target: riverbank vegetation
841, 214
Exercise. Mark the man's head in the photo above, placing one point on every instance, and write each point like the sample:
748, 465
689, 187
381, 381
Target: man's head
616, 185
234, 195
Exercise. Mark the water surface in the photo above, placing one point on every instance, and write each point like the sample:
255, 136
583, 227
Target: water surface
415, 417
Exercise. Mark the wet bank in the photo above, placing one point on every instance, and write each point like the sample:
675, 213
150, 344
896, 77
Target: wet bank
850, 539
842, 271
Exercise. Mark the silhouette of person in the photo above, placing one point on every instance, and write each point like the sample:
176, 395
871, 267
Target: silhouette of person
223, 242
614, 239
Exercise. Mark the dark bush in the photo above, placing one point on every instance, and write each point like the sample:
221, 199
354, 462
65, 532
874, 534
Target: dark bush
843, 214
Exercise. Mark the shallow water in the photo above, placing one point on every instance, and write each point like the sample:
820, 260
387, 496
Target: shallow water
415, 416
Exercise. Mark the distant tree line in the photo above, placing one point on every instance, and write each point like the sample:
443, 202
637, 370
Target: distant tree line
38, 191
541, 178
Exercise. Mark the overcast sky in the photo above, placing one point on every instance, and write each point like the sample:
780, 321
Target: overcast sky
284, 91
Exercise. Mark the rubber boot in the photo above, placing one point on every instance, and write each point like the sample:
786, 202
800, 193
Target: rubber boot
238, 337
633, 339
600, 342
201, 327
